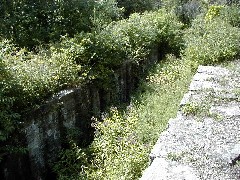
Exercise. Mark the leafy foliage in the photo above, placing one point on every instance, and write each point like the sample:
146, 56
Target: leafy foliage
73, 163
123, 140
213, 12
36, 76
231, 14
94, 47
30, 23
7, 117
208, 42
136, 6
158, 98
117, 148
188, 10
116, 152
26, 79
29, 78
126, 40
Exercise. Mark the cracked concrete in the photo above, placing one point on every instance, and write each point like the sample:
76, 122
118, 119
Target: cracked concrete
202, 145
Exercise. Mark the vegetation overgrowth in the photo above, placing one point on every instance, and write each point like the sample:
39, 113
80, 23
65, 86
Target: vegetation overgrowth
124, 138
211, 40
32, 23
61, 44
29, 78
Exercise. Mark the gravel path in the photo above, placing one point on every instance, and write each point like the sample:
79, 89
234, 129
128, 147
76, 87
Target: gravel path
203, 141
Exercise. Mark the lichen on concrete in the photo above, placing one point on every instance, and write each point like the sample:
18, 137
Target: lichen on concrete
202, 147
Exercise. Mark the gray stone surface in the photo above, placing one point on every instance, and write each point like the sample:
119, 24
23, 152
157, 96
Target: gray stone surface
165, 169
203, 141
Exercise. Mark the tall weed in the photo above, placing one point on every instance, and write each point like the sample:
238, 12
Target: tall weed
210, 41
123, 139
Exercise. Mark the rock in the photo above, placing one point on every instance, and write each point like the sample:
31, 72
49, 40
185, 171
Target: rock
202, 145
162, 169
226, 110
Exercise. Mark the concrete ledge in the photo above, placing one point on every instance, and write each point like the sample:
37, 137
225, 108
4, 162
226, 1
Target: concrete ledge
202, 142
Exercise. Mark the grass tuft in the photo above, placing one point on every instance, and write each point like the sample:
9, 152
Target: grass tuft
124, 139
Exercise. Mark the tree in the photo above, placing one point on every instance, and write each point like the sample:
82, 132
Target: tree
132, 6
29, 23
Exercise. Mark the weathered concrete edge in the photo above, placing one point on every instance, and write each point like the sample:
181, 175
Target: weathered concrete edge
159, 162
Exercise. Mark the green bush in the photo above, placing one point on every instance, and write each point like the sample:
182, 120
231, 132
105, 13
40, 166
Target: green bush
136, 6
211, 41
73, 164
35, 77
126, 40
123, 140
213, 12
30, 23
231, 14
116, 152
7, 116
27, 79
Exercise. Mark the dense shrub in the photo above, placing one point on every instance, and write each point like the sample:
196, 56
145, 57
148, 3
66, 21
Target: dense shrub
125, 40
213, 12
74, 163
186, 10
32, 77
123, 140
7, 116
116, 152
210, 41
99, 52
30, 23
27, 79
133, 6
136, 36
231, 14
37, 76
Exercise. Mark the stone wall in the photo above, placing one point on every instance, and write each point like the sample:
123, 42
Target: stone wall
71, 110
203, 141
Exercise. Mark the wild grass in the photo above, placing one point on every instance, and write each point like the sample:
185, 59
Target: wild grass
164, 89
155, 103
124, 139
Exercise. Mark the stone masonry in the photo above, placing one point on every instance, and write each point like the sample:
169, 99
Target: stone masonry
203, 141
